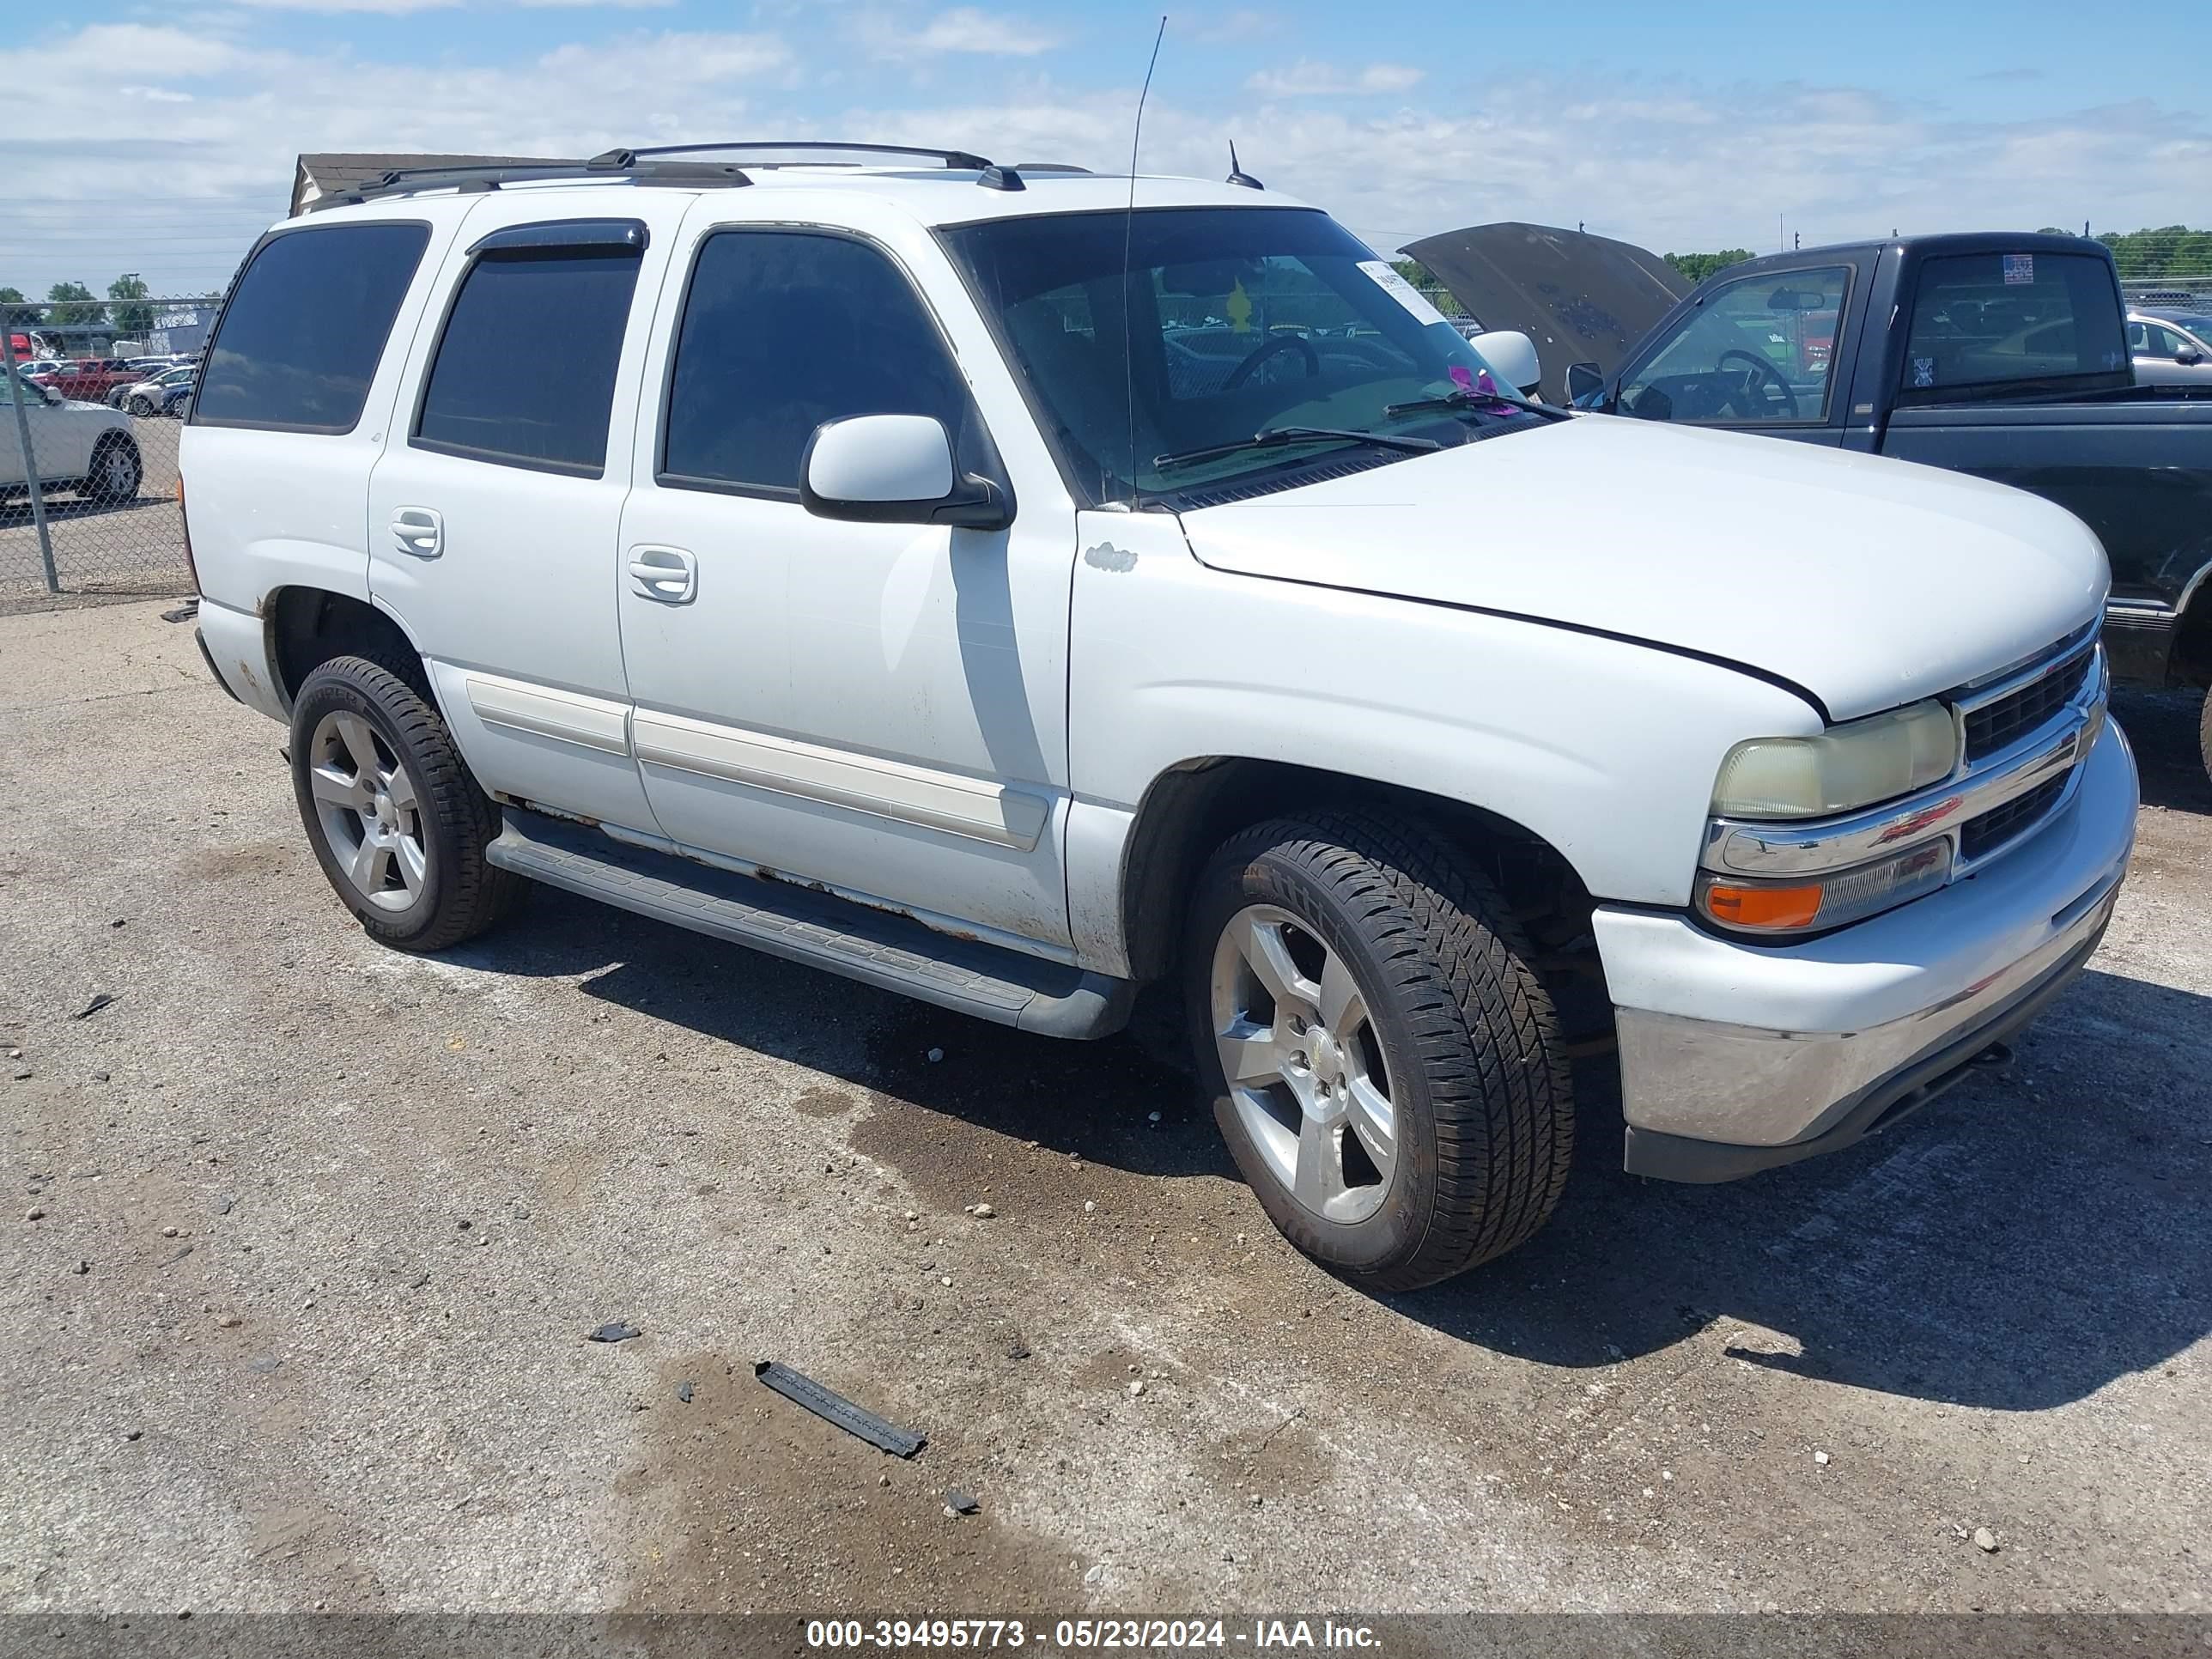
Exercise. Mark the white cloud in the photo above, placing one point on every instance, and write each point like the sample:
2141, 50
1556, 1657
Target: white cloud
388, 8
962, 29
1672, 164
1307, 79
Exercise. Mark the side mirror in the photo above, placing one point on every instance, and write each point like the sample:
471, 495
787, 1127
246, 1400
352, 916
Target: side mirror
2188, 356
1585, 382
1513, 354
896, 469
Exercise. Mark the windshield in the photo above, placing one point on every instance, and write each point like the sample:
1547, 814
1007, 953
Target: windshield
1241, 321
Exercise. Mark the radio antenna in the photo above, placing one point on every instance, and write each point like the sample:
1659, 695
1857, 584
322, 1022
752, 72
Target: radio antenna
1128, 273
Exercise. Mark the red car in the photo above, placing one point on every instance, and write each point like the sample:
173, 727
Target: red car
91, 379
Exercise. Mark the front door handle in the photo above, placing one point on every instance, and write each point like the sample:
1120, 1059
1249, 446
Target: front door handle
420, 531
666, 573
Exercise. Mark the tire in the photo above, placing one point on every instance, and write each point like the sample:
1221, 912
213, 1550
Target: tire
2204, 733
141, 406
406, 852
1480, 1108
116, 472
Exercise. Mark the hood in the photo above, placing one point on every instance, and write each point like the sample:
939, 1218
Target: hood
1864, 582
1580, 298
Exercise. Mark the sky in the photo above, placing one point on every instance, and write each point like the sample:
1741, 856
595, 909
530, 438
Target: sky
161, 139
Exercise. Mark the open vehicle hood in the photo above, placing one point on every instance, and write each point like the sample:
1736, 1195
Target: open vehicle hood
1580, 298
1865, 583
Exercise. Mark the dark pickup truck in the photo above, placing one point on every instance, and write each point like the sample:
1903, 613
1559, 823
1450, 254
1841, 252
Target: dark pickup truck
2000, 355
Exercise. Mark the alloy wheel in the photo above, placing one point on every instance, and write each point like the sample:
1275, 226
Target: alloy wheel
369, 809
1303, 1063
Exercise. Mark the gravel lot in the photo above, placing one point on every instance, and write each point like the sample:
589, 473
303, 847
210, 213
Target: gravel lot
307, 1238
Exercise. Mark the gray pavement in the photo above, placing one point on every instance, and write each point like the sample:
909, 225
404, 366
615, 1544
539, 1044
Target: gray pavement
305, 1237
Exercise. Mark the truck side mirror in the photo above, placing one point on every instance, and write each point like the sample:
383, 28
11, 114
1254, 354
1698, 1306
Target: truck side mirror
897, 469
1584, 381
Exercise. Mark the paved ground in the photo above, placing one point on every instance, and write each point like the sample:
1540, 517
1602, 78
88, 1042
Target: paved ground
319, 1230
100, 549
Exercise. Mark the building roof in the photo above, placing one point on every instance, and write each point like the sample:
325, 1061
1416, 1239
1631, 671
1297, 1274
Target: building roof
316, 176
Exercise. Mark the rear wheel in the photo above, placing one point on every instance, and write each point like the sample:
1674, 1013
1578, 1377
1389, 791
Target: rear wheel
2204, 734
142, 405
397, 824
1384, 1064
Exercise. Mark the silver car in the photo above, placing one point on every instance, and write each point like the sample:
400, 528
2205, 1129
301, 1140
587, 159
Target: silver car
2170, 346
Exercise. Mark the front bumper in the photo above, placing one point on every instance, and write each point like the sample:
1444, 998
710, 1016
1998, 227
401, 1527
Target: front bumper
1736, 1057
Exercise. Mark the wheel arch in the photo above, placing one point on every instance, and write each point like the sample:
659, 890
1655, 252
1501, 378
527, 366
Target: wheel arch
308, 626
2190, 661
1192, 808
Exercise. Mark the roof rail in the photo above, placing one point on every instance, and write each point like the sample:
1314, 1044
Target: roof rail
989, 174
404, 181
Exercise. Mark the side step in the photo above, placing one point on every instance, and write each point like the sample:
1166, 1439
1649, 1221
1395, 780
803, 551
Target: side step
819, 929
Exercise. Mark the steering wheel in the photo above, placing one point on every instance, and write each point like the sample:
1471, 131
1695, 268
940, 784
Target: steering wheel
1767, 380
1260, 355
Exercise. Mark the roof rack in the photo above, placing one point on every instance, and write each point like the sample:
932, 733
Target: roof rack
403, 181
660, 164
989, 173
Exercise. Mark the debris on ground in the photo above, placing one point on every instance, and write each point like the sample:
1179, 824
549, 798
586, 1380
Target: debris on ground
833, 1408
184, 612
1985, 1540
221, 1207
683, 1392
936, 1055
1017, 1349
1136, 1388
98, 1001
981, 1212
1821, 1458
613, 1331
958, 1501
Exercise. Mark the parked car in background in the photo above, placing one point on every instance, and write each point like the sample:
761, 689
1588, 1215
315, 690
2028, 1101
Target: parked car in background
81, 447
176, 401
843, 589
90, 379
148, 396
2171, 349
2002, 354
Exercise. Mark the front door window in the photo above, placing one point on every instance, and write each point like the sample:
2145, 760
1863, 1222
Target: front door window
1759, 351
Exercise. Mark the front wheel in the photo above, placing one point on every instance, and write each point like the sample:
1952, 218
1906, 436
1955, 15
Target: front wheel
1385, 1065
397, 822
116, 472
142, 405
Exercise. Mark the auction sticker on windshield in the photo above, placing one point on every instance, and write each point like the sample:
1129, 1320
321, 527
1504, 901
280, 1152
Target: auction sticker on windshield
1402, 290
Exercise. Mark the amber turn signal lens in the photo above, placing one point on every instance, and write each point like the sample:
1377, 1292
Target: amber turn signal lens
1763, 907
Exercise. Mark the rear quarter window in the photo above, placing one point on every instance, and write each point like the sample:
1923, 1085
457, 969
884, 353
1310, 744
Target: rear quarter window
300, 341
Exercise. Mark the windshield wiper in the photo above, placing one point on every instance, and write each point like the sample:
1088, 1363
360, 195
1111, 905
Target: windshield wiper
1465, 399
1274, 436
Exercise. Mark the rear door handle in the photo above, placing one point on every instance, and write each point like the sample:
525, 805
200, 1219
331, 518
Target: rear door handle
666, 573
420, 531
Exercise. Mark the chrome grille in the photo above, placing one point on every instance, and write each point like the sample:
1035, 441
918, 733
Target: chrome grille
1979, 837
1995, 725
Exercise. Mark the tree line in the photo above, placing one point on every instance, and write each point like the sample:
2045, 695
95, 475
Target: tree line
124, 311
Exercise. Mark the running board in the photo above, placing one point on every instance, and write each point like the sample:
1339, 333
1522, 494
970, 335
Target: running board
801, 924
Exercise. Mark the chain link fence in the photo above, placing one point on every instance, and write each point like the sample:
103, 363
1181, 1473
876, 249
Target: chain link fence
95, 398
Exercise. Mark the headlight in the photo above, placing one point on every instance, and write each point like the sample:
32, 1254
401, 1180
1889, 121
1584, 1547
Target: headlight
1844, 767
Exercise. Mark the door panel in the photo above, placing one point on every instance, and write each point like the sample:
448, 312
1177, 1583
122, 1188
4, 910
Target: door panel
878, 707
494, 516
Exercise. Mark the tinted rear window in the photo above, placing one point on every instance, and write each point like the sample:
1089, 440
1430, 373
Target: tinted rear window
525, 376
300, 339
2026, 320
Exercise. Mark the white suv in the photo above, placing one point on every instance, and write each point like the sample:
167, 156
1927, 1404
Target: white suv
944, 575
